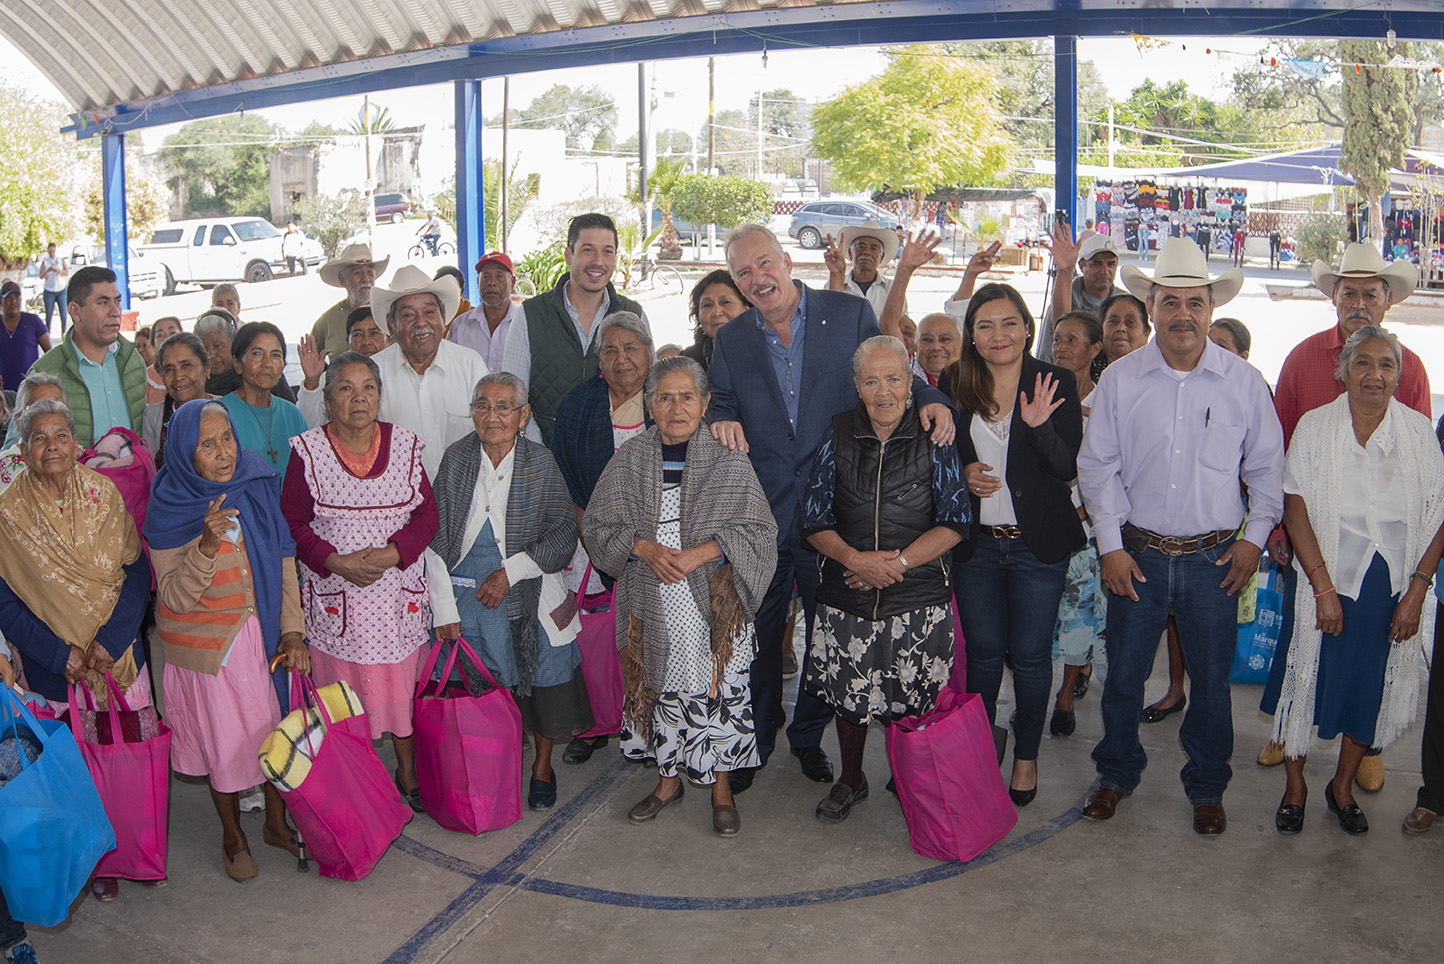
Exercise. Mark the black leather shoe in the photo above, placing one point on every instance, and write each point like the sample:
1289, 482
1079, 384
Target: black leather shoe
1064, 722
1080, 685
1289, 818
741, 779
542, 795
1351, 818
1155, 713
580, 751
815, 764
835, 807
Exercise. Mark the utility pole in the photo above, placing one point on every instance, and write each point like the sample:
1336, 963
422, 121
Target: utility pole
370, 182
501, 201
1111, 142
759, 128
711, 115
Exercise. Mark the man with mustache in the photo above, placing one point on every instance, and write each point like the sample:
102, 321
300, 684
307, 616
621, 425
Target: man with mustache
550, 346
1175, 427
780, 372
870, 246
354, 270
1095, 259
1362, 290
485, 327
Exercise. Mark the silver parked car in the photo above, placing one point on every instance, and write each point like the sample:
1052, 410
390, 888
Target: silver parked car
815, 220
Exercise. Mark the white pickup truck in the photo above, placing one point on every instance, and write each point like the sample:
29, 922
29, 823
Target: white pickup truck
207, 251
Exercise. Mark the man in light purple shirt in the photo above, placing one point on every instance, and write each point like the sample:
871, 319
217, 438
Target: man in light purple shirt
1175, 427
485, 327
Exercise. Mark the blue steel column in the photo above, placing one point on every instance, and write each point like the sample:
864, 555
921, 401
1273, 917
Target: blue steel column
112, 182
1065, 125
470, 203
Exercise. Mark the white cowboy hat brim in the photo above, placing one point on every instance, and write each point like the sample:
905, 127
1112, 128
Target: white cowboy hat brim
887, 237
1181, 264
1401, 276
411, 280
331, 272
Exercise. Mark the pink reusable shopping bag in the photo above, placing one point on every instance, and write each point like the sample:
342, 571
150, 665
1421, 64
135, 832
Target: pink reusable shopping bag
468, 748
133, 780
948, 782
601, 664
346, 809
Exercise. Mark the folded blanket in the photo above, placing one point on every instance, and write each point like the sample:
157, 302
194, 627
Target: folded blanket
287, 752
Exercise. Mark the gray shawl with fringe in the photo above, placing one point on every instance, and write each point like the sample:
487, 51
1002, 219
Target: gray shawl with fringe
721, 500
540, 521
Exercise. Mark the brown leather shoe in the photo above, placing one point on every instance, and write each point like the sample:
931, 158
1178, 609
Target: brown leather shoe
1370, 777
1102, 802
1271, 755
1419, 821
1209, 819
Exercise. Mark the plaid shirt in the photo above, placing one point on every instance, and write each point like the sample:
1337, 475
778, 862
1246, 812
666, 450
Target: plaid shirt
1307, 380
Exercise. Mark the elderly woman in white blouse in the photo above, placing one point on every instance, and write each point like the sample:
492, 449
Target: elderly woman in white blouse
1363, 505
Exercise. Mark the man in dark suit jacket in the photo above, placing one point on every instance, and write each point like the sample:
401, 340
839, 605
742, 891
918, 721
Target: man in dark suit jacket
779, 374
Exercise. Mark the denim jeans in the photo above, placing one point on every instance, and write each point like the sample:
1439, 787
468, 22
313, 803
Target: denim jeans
12, 932
1008, 605
1208, 628
53, 300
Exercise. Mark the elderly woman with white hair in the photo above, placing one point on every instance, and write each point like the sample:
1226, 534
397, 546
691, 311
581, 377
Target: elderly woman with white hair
35, 387
506, 530
883, 508
1363, 505
683, 524
217, 329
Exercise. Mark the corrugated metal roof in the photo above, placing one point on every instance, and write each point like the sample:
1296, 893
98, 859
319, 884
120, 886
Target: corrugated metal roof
104, 52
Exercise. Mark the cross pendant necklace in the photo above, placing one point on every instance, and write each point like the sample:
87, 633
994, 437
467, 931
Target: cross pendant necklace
265, 429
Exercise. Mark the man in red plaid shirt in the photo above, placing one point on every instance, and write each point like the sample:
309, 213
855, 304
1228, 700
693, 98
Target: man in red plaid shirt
1362, 289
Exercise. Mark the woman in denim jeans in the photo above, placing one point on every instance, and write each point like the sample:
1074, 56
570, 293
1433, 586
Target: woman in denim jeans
1019, 428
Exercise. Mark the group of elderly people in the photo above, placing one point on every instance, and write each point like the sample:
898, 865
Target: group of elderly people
956, 480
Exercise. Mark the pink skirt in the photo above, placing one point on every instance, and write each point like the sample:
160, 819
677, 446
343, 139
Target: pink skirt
386, 689
218, 722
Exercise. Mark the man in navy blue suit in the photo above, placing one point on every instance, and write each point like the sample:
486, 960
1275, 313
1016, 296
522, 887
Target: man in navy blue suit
779, 374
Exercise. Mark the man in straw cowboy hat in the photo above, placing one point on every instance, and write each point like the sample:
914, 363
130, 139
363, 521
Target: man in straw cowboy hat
1176, 426
355, 270
427, 381
870, 246
1362, 289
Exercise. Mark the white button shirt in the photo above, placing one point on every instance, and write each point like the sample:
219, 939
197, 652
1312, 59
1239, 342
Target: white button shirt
435, 404
876, 295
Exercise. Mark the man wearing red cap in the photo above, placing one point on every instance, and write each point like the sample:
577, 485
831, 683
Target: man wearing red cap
485, 327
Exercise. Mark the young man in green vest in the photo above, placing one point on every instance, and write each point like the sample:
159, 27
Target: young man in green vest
550, 346
103, 374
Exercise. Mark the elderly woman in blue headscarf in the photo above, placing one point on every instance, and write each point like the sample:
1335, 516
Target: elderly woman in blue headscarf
227, 602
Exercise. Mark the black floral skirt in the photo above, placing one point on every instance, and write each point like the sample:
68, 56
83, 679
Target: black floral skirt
879, 671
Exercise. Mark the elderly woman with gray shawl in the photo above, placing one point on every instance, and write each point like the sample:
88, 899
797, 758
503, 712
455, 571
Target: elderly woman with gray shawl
507, 529
685, 527
1363, 505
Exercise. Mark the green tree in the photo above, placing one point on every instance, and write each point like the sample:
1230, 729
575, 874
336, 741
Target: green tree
222, 166
721, 200
520, 193
586, 114
1025, 75
36, 178
313, 134
380, 117
786, 130
147, 201
1378, 121
332, 219
661, 184
929, 120
735, 146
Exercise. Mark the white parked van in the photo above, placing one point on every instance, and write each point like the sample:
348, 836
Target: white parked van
207, 251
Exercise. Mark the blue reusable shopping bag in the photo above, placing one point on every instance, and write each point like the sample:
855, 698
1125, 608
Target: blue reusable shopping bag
1259, 638
53, 828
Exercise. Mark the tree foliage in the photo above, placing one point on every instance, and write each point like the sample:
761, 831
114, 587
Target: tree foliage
520, 192
721, 200
222, 166
1173, 117
147, 201
1378, 120
586, 114
928, 121
786, 130
1320, 237
332, 219
36, 178
661, 183
379, 117
1025, 77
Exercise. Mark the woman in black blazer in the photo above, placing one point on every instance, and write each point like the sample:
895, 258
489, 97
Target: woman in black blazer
1019, 427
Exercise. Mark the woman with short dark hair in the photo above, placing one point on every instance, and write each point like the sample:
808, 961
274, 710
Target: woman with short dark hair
265, 423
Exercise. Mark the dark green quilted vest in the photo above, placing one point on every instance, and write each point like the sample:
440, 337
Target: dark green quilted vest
557, 362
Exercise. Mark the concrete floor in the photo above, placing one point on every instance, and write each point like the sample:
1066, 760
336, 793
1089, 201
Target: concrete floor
582, 884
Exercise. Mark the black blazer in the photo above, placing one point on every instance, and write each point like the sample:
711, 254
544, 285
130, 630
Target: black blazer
1042, 464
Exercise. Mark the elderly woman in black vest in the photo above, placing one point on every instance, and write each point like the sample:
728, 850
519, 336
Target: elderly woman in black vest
883, 507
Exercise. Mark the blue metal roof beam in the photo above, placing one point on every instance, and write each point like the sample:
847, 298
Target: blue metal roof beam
836, 25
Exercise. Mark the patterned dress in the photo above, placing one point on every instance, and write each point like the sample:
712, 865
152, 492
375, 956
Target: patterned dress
1082, 624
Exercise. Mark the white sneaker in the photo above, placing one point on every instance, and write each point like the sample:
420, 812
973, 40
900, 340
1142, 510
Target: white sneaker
253, 801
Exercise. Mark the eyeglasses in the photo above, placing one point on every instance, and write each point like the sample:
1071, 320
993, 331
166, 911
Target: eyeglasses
483, 407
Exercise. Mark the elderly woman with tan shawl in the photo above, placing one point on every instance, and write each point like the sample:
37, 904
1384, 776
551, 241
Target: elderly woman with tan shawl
73, 581
685, 527
1363, 505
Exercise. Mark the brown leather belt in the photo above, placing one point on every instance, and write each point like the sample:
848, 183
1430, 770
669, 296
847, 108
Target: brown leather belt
1003, 532
1137, 540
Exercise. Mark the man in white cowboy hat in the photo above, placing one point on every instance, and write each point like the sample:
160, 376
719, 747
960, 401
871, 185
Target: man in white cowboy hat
870, 246
1094, 259
427, 380
1362, 289
356, 271
1176, 426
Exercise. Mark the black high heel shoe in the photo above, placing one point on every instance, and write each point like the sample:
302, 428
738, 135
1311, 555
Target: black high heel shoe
1021, 798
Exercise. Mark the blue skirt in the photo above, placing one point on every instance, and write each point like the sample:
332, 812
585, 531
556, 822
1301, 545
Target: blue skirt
1350, 684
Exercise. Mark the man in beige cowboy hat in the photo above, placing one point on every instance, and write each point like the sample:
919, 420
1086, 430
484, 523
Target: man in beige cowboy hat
870, 246
1362, 289
428, 380
1176, 426
356, 271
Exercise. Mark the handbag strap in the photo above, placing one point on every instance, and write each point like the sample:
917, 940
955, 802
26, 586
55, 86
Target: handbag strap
430, 665
582, 589
19, 712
